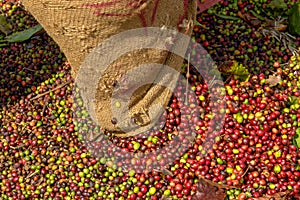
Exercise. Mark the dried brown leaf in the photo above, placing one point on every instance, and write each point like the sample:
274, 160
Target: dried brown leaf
165, 198
277, 196
220, 186
273, 80
207, 190
281, 27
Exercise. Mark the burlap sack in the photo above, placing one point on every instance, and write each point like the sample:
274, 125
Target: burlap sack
78, 26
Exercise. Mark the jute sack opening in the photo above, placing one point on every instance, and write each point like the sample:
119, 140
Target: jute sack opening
78, 26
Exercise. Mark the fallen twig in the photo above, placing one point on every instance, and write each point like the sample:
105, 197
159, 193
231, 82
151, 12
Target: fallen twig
45, 105
58, 87
246, 171
187, 80
28, 69
32, 174
165, 171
